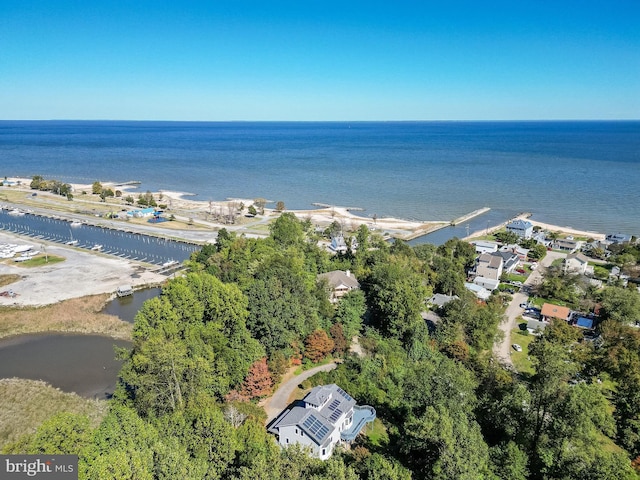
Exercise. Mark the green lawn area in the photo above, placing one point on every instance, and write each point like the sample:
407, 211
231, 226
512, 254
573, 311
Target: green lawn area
516, 277
376, 434
40, 260
520, 359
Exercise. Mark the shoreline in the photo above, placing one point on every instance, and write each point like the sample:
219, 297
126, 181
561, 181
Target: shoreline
193, 209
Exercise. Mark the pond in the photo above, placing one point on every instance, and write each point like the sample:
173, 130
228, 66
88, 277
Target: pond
84, 364
126, 308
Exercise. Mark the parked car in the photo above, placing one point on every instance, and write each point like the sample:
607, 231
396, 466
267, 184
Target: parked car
517, 347
524, 305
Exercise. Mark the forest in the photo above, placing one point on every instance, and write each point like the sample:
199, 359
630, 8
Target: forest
219, 338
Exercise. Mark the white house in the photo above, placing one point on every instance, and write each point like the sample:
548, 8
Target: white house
340, 282
478, 290
522, 228
485, 246
577, 263
327, 416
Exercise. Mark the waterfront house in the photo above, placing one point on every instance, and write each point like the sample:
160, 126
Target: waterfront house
618, 238
522, 228
326, 417
577, 263
550, 311
485, 246
566, 245
340, 283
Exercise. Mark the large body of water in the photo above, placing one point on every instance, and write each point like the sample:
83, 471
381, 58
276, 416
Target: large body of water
580, 174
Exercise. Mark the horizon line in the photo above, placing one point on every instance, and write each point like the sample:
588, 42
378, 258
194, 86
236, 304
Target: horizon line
326, 121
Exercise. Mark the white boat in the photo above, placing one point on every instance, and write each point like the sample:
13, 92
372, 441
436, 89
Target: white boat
22, 248
124, 290
16, 213
76, 223
96, 247
72, 243
170, 263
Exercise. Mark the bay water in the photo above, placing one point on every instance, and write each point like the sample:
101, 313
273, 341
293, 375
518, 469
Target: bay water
581, 174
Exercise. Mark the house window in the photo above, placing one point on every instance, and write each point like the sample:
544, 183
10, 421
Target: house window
287, 440
296, 431
324, 451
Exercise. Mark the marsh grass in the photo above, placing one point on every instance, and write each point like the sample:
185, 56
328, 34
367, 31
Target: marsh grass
78, 315
25, 404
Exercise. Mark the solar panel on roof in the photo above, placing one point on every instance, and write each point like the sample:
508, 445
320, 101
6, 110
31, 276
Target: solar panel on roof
335, 415
344, 394
334, 404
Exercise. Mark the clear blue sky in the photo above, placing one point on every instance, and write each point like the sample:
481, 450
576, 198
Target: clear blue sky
319, 60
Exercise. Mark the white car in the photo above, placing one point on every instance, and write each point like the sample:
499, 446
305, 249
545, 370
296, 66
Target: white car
517, 347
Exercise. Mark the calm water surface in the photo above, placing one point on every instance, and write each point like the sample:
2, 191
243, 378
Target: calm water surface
580, 174
84, 364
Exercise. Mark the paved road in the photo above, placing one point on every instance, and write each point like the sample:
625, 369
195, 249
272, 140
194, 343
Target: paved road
502, 350
280, 399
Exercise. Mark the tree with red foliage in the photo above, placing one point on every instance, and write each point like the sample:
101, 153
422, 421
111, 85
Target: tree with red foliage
339, 340
258, 382
317, 344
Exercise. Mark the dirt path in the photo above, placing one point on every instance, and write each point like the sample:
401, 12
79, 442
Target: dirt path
280, 398
502, 350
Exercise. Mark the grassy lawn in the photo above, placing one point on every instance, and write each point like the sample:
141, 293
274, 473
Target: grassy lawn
520, 359
516, 277
40, 260
376, 433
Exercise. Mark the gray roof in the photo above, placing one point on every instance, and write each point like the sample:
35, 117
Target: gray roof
318, 425
441, 300
536, 325
578, 256
339, 277
309, 420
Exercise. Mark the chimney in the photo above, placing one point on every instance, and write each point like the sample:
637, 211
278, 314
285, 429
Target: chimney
348, 272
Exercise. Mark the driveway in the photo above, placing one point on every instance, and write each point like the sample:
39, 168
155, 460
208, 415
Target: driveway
280, 399
502, 350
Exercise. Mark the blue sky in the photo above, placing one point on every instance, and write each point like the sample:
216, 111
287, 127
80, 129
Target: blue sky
319, 60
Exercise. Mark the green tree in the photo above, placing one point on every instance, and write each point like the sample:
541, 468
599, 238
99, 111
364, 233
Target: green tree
287, 231
96, 188
620, 304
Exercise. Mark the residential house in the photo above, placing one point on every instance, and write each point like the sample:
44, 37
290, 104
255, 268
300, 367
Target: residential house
566, 245
340, 245
550, 311
522, 228
340, 283
536, 326
478, 290
485, 246
326, 417
510, 260
618, 238
440, 300
577, 263
488, 270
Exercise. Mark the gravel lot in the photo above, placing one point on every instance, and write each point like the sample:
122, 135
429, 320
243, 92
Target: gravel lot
82, 273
